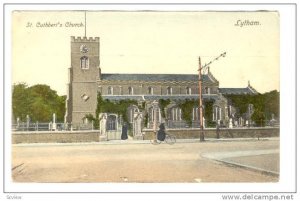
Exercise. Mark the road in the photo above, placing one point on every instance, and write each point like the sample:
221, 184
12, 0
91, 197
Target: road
143, 163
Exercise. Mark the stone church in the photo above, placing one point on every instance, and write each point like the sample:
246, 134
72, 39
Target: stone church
86, 79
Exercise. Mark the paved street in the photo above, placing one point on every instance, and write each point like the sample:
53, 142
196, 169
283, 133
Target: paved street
266, 161
144, 162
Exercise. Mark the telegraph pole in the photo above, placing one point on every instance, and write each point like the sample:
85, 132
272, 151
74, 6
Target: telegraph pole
84, 23
200, 93
200, 103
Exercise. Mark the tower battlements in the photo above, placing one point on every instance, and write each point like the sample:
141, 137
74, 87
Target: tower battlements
84, 39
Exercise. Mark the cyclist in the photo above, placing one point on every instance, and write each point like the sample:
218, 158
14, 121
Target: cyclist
161, 134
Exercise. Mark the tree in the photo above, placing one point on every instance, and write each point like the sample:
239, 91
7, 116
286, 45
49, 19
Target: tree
107, 106
264, 105
162, 105
38, 101
208, 113
272, 101
21, 101
187, 109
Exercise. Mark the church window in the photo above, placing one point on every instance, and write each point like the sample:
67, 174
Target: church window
169, 91
150, 90
130, 90
110, 90
188, 90
84, 62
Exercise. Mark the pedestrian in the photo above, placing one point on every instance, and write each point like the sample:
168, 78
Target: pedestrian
124, 135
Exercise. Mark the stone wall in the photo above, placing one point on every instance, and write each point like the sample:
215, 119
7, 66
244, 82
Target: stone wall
93, 136
159, 88
55, 137
224, 133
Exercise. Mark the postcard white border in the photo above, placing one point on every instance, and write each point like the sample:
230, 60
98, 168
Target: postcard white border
287, 89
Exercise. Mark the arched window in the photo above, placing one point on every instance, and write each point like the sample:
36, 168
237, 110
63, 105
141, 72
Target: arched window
188, 91
169, 91
84, 62
110, 90
150, 90
130, 90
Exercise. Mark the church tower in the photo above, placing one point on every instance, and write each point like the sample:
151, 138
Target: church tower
83, 76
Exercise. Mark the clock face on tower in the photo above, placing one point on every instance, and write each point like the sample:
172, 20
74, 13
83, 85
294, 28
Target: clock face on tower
83, 49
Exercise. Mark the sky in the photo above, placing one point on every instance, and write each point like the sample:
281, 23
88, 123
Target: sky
150, 42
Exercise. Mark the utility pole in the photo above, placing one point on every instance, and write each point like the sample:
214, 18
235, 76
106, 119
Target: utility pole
200, 92
84, 23
200, 103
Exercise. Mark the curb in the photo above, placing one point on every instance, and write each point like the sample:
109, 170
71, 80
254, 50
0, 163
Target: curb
263, 171
124, 142
249, 167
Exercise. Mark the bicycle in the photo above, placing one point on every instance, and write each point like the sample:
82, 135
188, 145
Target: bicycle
170, 139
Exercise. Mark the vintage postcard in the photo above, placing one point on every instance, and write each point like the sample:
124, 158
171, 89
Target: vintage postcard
121, 77
145, 96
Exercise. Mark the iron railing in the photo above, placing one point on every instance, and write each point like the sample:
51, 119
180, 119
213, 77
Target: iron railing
42, 126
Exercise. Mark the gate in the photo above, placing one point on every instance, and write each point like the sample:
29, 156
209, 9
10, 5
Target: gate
111, 122
113, 127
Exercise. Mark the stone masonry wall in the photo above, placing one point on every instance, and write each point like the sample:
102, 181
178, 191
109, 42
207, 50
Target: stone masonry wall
159, 88
55, 137
93, 136
224, 133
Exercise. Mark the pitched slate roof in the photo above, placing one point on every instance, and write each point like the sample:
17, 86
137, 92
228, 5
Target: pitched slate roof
237, 91
153, 77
